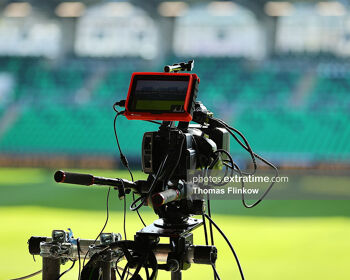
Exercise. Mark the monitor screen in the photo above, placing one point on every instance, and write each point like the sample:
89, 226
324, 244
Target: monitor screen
163, 94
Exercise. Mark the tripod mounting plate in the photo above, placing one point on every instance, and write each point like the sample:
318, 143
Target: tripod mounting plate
162, 229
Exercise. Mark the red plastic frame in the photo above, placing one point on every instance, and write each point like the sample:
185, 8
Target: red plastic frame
185, 116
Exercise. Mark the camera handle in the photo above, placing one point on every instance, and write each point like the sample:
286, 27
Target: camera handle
88, 180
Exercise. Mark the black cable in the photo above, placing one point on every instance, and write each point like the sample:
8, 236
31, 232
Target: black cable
253, 155
245, 146
211, 230
147, 273
127, 273
124, 221
160, 170
78, 248
117, 269
28, 276
234, 165
137, 211
124, 271
104, 226
205, 230
228, 243
248, 148
206, 238
134, 206
115, 131
203, 217
210, 225
208, 196
63, 273
266, 191
123, 157
227, 166
121, 268
215, 272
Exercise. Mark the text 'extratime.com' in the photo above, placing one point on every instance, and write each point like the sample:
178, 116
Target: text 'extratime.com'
238, 179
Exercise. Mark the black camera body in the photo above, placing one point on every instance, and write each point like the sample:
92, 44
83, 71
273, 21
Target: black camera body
200, 144
189, 147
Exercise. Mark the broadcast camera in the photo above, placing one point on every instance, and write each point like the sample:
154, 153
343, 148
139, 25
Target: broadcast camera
197, 142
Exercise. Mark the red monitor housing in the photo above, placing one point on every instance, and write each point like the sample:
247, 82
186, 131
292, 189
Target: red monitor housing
161, 96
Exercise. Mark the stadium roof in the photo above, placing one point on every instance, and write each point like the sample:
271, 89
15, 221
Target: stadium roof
258, 7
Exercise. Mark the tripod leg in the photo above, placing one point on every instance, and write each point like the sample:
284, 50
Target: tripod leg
51, 268
176, 275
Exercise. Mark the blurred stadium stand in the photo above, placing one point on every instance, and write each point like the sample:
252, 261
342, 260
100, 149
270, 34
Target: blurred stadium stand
291, 102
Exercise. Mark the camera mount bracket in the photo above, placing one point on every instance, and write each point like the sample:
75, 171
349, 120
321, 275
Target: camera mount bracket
182, 66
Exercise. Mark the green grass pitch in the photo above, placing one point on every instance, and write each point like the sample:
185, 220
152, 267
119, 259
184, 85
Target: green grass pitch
276, 240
